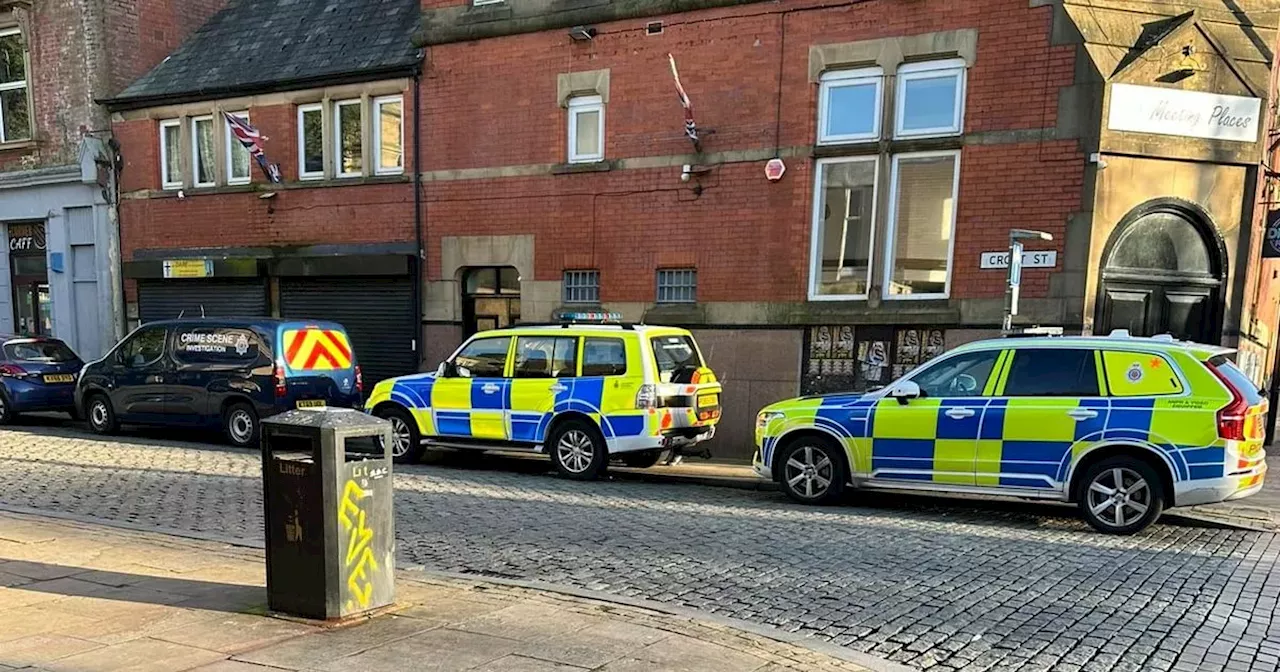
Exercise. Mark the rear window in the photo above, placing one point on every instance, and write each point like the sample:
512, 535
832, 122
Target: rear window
50, 352
207, 345
675, 355
604, 357
316, 349
1238, 379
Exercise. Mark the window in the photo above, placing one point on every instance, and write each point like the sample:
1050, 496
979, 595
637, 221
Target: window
586, 129
1056, 372
1140, 374
171, 154
216, 346
582, 286
677, 285
388, 134
930, 99
144, 348
310, 142
483, 358
675, 355
43, 352
963, 375
604, 357
849, 103
543, 357
202, 151
844, 220
237, 156
1238, 379
922, 220
348, 130
15, 111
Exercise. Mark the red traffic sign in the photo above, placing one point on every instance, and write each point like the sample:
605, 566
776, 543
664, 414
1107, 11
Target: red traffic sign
774, 169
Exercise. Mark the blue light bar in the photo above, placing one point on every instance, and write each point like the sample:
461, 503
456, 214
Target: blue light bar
590, 317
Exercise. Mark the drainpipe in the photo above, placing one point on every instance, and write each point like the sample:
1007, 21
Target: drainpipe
419, 221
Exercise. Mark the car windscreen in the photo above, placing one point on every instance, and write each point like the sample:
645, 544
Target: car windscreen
673, 355
45, 352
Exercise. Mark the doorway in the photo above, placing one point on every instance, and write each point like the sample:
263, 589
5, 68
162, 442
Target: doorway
1162, 273
29, 276
490, 298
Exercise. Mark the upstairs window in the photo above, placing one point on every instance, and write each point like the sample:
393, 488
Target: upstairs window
348, 130
237, 156
171, 154
388, 134
15, 112
930, 100
310, 142
586, 129
202, 150
582, 287
678, 285
849, 104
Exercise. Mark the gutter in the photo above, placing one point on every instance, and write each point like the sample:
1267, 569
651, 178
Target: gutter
419, 220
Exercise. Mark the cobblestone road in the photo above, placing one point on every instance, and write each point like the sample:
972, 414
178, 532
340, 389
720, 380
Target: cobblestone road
934, 584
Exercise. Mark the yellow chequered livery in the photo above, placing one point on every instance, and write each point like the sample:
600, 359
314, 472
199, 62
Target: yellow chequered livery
581, 392
1123, 426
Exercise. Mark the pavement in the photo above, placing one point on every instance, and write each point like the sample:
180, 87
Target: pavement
76, 597
932, 583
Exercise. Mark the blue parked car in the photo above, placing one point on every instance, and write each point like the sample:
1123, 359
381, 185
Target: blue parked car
219, 373
36, 374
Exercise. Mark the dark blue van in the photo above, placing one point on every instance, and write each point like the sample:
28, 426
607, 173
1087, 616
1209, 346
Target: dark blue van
36, 374
219, 373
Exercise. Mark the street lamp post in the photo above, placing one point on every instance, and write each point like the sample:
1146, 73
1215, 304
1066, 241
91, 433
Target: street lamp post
1013, 288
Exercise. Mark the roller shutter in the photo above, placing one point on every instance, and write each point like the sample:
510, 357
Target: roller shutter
376, 312
169, 299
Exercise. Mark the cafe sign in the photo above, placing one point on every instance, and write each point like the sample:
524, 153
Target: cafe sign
1192, 114
188, 268
26, 238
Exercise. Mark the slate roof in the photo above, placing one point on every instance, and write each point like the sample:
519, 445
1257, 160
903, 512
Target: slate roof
261, 45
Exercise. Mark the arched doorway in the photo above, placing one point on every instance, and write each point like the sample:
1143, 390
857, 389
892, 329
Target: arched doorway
490, 298
1162, 273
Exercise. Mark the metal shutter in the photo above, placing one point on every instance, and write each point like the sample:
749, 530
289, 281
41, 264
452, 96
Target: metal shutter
168, 299
376, 312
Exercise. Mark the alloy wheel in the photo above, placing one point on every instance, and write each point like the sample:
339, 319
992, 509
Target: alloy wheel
1119, 497
400, 437
575, 451
809, 472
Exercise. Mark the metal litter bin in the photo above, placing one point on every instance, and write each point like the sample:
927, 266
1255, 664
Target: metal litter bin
330, 530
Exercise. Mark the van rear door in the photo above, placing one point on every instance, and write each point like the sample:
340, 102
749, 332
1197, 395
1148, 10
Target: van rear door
319, 366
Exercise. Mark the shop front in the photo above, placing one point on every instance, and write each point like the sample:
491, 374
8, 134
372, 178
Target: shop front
29, 277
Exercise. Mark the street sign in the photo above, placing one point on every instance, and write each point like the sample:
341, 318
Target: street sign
1030, 259
774, 169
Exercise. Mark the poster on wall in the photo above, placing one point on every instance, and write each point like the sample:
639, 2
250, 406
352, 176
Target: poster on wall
838, 358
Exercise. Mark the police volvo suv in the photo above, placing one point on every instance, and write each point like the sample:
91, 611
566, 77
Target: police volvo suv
1123, 427
584, 393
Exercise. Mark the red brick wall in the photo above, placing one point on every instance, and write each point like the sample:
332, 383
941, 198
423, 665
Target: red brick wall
493, 103
143, 32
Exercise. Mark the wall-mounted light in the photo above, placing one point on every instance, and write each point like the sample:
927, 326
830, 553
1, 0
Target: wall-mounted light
582, 33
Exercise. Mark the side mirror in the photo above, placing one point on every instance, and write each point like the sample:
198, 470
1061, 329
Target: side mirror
905, 391
447, 370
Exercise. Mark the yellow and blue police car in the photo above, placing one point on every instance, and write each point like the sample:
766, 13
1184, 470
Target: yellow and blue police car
1122, 426
584, 391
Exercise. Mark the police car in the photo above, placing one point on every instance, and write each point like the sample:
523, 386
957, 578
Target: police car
1122, 426
583, 391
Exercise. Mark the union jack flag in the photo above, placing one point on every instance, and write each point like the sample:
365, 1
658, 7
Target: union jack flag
252, 141
690, 127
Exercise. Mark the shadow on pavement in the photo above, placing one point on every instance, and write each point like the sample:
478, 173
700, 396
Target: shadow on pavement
68, 581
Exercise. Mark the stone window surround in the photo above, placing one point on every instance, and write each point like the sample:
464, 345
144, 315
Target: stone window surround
17, 16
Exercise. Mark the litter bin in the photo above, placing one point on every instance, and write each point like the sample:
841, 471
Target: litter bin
326, 479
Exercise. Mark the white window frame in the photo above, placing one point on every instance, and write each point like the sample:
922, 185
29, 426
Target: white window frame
580, 274
337, 138
929, 70
837, 78
891, 228
195, 153
578, 105
13, 86
164, 154
302, 154
477, 3
691, 271
377, 135
231, 144
815, 231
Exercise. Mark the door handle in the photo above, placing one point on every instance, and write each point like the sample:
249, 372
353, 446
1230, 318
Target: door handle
1082, 413
155, 379
558, 388
960, 413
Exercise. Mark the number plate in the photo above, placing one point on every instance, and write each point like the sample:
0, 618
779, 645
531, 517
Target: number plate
311, 403
60, 378
705, 400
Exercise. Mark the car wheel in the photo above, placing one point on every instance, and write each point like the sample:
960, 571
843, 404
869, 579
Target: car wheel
812, 471
6, 409
642, 459
101, 417
578, 451
1121, 495
406, 442
240, 424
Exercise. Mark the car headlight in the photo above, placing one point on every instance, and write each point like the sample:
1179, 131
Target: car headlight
766, 417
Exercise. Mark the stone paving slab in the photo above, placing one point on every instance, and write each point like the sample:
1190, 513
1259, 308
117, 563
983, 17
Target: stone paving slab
176, 615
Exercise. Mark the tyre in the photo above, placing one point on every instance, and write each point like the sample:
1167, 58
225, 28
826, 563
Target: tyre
812, 471
7, 414
406, 441
240, 424
578, 450
99, 414
1121, 495
641, 459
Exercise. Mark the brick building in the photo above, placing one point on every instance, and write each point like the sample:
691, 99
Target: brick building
556, 174
56, 183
